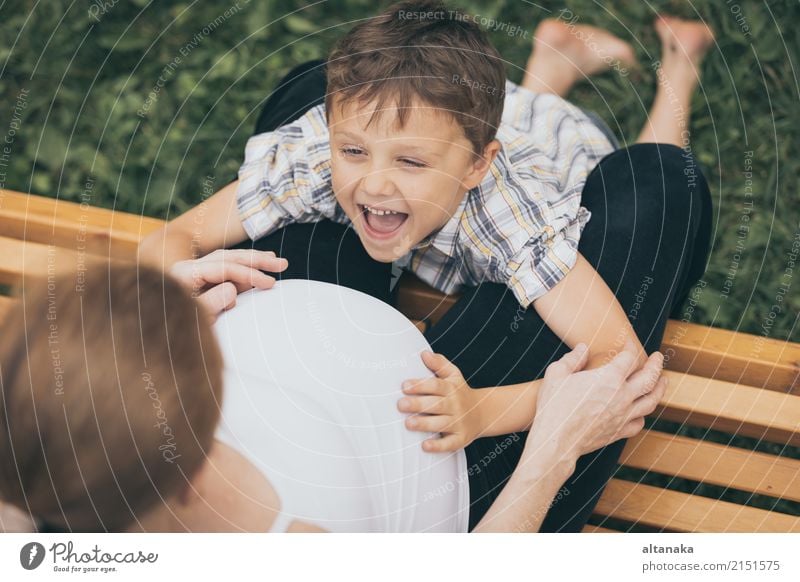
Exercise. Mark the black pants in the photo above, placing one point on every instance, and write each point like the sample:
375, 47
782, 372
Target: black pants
648, 237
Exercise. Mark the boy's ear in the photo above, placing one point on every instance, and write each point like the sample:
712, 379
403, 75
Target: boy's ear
481, 165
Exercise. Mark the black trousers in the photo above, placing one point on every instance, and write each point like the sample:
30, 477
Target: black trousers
649, 238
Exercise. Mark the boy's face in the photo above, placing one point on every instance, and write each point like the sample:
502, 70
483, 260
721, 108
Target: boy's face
420, 173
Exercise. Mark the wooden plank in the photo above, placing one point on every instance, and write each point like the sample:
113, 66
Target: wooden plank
732, 408
32, 204
673, 510
12, 256
732, 356
5, 305
714, 463
597, 529
699, 350
18, 258
72, 225
420, 325
418, 300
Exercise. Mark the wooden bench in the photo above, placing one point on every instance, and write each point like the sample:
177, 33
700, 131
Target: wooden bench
730, 383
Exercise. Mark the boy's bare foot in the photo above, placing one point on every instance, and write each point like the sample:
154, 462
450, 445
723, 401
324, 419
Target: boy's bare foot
564, 53
683, 42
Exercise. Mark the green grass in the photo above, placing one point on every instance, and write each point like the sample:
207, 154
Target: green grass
82, 83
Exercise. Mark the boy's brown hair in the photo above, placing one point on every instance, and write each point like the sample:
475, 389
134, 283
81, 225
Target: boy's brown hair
421, 50
111, 385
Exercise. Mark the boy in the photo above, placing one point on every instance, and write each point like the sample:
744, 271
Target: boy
442, 167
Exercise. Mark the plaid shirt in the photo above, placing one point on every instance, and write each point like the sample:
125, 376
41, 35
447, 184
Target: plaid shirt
519, 227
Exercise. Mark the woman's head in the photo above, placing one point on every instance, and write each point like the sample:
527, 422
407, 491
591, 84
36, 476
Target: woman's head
111, 392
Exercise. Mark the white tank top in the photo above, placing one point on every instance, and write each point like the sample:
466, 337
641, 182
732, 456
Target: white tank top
312, 379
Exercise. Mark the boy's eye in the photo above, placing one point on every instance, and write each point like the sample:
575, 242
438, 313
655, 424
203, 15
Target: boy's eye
413, 163
350, 151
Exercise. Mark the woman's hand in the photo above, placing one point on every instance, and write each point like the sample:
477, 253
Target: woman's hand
582, 411
217, 278
445, 404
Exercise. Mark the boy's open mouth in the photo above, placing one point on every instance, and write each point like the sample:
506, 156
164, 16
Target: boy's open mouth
381, 223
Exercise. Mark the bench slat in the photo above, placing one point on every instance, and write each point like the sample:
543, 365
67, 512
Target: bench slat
598, 529
418, 300
732, 356
5, 305
420, 325
18, 258
731, 408
70, 225
13, 253
673, 510
713, 463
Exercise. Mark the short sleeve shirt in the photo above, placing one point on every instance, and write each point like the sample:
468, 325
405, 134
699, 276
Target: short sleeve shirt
520, 227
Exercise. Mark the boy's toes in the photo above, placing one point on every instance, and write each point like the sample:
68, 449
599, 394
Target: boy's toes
582, 47
684, 38
624, 52
551, 32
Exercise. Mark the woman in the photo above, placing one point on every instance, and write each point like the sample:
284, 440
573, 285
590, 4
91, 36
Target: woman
108, 423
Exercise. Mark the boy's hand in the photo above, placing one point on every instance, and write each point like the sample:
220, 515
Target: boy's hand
445, 404
217, 278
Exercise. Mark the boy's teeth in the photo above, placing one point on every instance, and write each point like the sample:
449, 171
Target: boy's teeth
380, 212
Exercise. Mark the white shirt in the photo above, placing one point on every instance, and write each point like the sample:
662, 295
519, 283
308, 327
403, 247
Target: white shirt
312, 379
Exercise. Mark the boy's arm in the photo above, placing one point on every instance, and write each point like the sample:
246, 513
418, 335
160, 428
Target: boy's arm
579, 309
213, 224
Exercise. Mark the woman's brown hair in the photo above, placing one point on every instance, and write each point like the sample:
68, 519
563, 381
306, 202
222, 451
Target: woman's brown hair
111, 383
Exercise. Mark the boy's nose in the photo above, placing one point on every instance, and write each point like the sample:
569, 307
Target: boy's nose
376, 183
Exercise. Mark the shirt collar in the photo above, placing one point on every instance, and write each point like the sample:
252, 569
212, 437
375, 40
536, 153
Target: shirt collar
445, 238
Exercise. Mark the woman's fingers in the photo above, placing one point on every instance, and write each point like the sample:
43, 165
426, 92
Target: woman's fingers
642, 407
631, 429
577, 357
572, 361
420, 404
218, 299
264, 260
624, 363
644, 380
243, 268
646, 405
244, 277
422, 423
